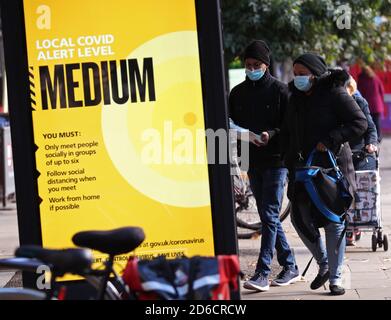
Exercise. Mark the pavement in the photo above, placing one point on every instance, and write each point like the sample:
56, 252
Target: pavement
366, 274
9, 238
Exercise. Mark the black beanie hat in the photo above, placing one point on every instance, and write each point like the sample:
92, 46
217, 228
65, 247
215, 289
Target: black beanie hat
258, 50
316, 64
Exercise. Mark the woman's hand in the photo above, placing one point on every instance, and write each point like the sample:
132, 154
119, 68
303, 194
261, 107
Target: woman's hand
371, 148
321, 147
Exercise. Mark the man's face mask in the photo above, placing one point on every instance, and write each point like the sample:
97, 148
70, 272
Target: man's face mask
255, 75
303, 83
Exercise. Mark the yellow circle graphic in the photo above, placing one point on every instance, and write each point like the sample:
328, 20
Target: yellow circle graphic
159, 146
190, 119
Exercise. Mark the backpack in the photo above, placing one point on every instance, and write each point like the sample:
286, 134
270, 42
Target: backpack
328, 190
327, 187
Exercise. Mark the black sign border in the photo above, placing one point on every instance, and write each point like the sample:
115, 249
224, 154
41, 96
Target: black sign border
215, 111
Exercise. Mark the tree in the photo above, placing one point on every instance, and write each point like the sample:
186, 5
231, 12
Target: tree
344, 30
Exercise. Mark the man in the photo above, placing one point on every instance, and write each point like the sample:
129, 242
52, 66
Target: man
258, 104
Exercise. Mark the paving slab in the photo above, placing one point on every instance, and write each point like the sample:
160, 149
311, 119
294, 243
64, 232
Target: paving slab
366, 283
9, 239
375, 293
5, 277
298, 291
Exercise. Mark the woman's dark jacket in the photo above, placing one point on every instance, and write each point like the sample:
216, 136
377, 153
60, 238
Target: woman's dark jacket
370, 136
328, 115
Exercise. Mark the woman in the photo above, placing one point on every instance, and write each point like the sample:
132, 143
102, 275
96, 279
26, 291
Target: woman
371, 88
320, 115
363, 147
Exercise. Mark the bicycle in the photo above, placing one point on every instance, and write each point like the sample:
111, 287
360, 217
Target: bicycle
108, 284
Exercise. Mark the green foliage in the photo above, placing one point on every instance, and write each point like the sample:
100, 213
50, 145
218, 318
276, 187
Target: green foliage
236, 63
292, 27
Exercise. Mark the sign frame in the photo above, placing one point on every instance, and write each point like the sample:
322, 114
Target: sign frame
215, 110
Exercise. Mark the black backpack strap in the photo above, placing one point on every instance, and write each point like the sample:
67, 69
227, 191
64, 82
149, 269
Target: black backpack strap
307, 267
168, 274
193, 269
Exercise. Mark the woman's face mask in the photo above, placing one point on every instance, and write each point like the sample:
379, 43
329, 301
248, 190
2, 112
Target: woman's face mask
255, 75
303, 83
303, 77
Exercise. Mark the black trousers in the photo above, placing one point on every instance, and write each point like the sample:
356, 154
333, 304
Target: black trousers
377, 120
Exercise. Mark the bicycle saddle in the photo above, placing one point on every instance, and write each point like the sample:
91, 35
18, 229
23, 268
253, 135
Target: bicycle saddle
112, 242
74, 260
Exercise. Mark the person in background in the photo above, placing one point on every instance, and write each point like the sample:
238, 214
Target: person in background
371, 88
258, 105
364, 148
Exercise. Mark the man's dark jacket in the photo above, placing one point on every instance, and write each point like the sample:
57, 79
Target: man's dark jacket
259, 106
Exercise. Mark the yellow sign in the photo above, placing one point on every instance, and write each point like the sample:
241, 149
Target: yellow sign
118, 121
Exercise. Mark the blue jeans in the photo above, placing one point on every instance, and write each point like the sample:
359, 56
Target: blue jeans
326, 257
268, 189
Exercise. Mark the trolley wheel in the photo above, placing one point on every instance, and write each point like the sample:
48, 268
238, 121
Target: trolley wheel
380, 238
374, 242
385, 242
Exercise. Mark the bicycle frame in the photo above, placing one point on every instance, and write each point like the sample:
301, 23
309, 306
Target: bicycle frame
100, 280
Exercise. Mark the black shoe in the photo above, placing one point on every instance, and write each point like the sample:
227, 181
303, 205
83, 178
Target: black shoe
336, 290
320, 281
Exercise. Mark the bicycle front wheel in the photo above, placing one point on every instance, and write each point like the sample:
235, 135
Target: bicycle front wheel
21, 294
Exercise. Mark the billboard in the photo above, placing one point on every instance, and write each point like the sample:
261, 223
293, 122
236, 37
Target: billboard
109, 104
117, 108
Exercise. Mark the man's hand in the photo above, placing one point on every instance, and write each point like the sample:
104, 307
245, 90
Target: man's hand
371, 148
255, 139
321, 147
265, 138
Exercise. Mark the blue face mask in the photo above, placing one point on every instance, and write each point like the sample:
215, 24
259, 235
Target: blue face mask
255, 75
303, 83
